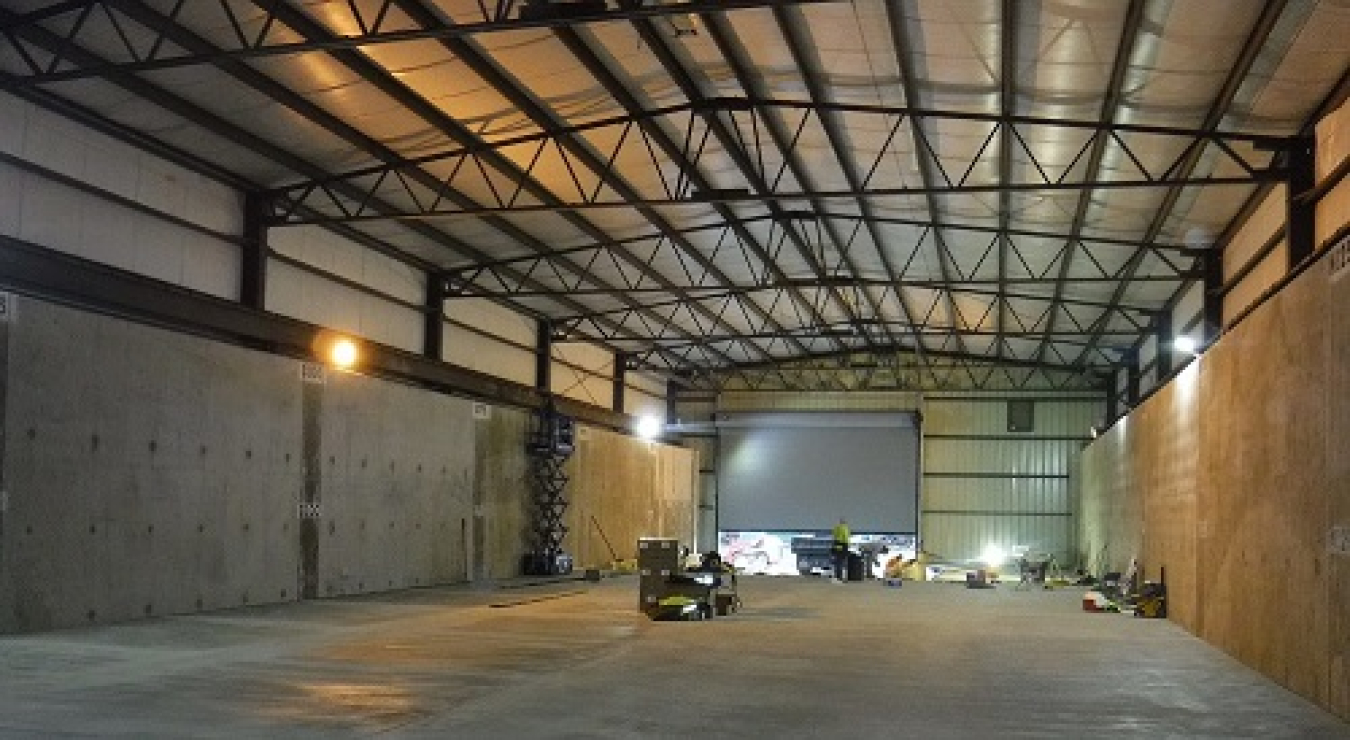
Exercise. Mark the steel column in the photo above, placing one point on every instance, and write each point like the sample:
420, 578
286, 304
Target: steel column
433, 319
1211, 313
253, 254
621, 361
1132, 379
1301, 211
672, 397
1164, 336
1113, 396
543, 356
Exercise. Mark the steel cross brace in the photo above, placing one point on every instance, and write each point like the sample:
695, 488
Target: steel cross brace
1254, 158
258, 31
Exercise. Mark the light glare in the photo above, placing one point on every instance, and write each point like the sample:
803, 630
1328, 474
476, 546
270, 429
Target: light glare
343, 353
994, 556
649, 427
1186, 344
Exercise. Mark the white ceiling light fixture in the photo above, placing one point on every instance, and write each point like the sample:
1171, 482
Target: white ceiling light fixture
648, 427
1187, 345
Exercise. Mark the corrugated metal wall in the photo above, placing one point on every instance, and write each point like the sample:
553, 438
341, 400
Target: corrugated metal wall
818, 401
984, 485
981, 485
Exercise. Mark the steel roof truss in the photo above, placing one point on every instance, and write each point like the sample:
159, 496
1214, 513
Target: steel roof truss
699, 121
272, 36
1252, 48
177, 105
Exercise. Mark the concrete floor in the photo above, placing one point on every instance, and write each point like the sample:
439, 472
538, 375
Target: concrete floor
805, 658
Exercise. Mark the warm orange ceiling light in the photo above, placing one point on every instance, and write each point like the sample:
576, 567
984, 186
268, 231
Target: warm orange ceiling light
344, 353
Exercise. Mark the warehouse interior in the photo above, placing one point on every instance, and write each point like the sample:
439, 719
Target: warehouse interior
348, 307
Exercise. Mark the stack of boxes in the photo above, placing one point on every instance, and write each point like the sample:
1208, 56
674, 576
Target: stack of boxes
658, 560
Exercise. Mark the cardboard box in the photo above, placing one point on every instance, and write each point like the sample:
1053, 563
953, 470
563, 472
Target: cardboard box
725, 604
658, 554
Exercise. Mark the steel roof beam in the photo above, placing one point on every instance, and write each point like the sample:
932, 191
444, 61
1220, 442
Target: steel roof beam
482, 65
378, 77
468, 272
744, 165
1134, 18
733, 52
388, 174
742, 160
1007, 107
902, 349
788, 27
949, 377
946, 288
704, 292
900, 44
284, 211
592, 62
209, 122
842, 330
732, 104
1252, 48
159, 52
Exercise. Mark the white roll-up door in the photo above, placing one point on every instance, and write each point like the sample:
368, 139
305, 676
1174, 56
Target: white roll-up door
803, 471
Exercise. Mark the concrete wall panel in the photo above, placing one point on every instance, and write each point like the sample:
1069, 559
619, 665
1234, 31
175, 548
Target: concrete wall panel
126, 492
397, 486
155, 473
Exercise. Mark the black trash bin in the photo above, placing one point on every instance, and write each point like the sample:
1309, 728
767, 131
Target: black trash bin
855, 567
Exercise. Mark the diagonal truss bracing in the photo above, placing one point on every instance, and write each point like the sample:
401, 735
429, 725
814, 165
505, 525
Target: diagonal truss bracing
748, 119
771, 229
899, 375
897, 368
262, 30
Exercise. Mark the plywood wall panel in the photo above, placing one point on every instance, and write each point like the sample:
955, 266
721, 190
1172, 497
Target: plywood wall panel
1336, 452
1333, 148
1110, 514
1167, 468
502, 496
624, 488
1262, 277
1232, 477
1263, 491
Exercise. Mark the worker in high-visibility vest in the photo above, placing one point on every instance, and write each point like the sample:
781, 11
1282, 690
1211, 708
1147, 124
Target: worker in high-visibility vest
839, 550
